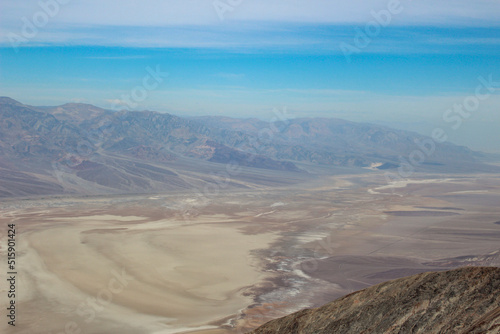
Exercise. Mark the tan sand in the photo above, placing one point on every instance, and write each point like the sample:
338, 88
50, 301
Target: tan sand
181, 276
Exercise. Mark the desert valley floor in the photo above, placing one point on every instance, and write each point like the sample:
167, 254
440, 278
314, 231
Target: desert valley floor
228, 262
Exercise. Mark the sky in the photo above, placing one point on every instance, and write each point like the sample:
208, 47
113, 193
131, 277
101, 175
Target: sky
405, 63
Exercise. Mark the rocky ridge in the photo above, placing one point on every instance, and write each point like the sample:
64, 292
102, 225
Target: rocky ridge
464, 300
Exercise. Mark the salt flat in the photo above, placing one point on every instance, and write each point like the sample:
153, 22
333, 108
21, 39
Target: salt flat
149, 264
180, 275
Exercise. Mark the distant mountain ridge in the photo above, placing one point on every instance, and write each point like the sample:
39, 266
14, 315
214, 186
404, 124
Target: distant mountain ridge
333, 141
83, 148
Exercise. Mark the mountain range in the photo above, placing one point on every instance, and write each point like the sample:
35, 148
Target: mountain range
83, 149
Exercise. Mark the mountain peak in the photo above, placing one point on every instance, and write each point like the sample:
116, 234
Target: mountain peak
75, 112
78, 105
8, 100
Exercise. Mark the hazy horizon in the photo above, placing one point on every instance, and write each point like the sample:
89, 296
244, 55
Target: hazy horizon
398, 63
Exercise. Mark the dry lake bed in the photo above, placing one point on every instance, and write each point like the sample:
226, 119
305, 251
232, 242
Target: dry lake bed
228, 262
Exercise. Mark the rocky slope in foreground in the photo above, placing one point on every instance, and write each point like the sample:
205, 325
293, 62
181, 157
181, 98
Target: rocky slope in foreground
465, 300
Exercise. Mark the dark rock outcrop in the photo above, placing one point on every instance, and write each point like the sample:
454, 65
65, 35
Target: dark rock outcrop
465, 300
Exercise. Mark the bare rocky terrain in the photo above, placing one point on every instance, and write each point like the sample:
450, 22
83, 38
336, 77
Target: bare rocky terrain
83, 149
465, 300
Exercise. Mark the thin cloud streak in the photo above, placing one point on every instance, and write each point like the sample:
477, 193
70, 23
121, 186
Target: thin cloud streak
195, 23
271, 37
202, 12
118, 57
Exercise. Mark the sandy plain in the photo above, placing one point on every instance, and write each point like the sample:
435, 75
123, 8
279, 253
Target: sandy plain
176, 264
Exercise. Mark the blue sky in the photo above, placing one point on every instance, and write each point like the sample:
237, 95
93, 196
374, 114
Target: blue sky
261, 55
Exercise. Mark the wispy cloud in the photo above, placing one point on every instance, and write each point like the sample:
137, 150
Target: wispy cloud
117, 57
230, 76
196, 12
194, 23
248, 37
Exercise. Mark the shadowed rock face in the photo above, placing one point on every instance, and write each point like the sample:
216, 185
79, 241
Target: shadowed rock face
465, 300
